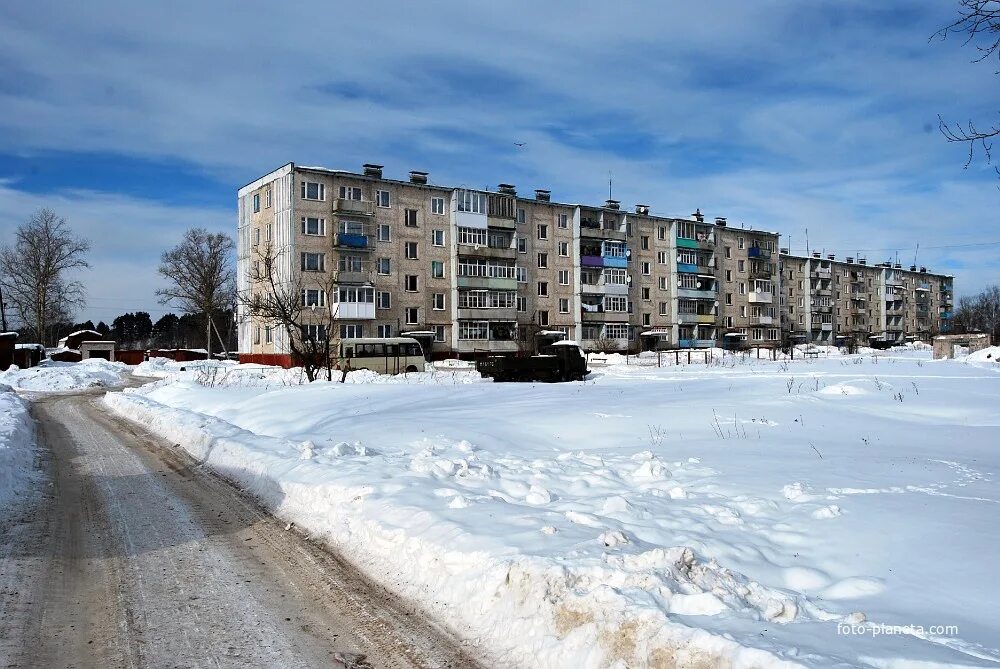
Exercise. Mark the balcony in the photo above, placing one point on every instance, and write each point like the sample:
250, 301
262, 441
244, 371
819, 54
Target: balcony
757, 252
696, 343
347, 276
823, 292
487, 313
351, 241
696, 319
687, 267
604, 261
490, 345
487, 282
859, 297
704, 241
353, 207
697, 294
823, 327
821, 273
946, 315
762, 320
604, 288
761, 297
760, 273
594, 230
601, 316
823, 308
706, 319
354, 310
923, 287
494, 253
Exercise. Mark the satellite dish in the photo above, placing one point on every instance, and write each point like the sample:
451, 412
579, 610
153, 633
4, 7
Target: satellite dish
698, 284
628, 278
716, 303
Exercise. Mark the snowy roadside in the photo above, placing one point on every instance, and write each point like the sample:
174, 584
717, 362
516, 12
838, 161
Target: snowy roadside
53, 376
17, 446
728, 515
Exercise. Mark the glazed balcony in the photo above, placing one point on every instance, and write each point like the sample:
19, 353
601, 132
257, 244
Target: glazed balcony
351, 241
353, 207
758, 253
761, 297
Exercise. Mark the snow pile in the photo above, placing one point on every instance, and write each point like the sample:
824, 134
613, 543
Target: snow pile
689, 516
458, 376
17, 439
53, 376
987, 357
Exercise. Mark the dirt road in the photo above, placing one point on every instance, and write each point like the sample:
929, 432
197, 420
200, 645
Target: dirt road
133, 556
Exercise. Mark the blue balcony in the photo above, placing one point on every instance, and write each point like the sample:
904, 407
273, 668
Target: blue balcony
757, 252
687, 267
946, 315
352, 241
592, 261
696, 343
615, 261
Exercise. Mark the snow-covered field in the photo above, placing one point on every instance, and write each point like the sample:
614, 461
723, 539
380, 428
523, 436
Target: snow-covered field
17, 439
838, 511
53, 376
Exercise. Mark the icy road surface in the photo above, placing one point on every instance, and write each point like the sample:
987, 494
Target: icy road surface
134, 557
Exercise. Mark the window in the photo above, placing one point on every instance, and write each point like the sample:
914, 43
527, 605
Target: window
543, 232
564, 249
522, 274
256, 236
563, 221
644, 242
522, 245
522, 304
646, 270
268, 335
350, 263
617, 303
743, 311
473, 330
384, 265
383, 299
350, 193
437, 269
411, 250
645, 293
437, 205
729, 275
739, 242
472, 237
543, 260
663, 283
267, 199
313, 262
351, 331
661, 257
437, 237
729, 298
741, 265
384, 330
564, 277
412, 315
645, 319
384, 232
439, 333
313, 297
520, 215
410, 218
543, 318
729, 321
256, 335
313, 226
437, 301
268, 231
743, 288
616, 331
564, 305
543, 289
661, 232
471, 201
663, 308
312, 332
382, 198
410, 283
312, 190
256, 202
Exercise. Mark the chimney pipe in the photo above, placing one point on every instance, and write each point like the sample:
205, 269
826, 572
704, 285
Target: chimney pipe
372, 170
418, 177
542, 195
831, 256
720, 221
698, 216
816, 254
507, 189
783, 250
642, 209
612, 204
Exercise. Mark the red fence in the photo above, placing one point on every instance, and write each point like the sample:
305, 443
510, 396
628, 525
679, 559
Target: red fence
275, 359
130, 357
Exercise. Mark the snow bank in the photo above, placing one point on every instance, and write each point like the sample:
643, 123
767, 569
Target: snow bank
458, 376
987, 357
17, 439
686, 516
53, 376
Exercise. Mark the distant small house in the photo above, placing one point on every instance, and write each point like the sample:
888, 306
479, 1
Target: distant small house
82, 345
27, 356
8, 340
946, 346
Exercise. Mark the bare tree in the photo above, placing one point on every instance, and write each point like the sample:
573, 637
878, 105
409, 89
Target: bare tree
980, 313
34, 272
201, 276
302, 312
979, 22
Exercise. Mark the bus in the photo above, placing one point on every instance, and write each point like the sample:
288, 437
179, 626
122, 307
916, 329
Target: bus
385, 355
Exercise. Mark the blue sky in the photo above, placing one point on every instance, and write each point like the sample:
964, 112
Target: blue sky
136, 121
